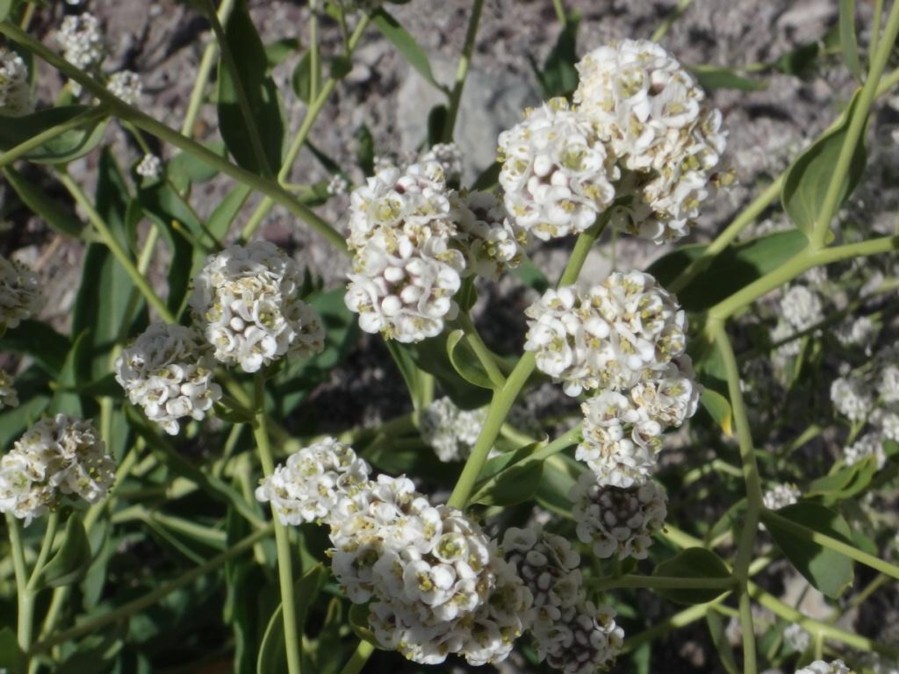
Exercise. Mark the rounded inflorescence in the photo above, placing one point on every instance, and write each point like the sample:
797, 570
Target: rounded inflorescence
126, 85
450, 431
150, 166
15, 91
246, 301
308, 487
780, 496
822, 667
82, 41
556, 172
608, 337
852, 397
58, 457
618, 521
167, 371
491, 242
20, 296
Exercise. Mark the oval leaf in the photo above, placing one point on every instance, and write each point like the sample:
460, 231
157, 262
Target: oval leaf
415, 56
515, 485
827, 570
59, 217
718, 408
692, 563
73, 558
464, 361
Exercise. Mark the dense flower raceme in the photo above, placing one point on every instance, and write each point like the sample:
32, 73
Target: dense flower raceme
435, 583
59, 456
15, 92
20, 295
246, 300
570, 633
167, 370
612, 336
413, 240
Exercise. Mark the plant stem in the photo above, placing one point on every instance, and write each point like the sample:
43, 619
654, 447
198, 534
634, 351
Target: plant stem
682, 619
85, 118
25, 609
266, 186
46, 546
203, 71
455, 98
111, 242
857, 123
359, 658
292, 635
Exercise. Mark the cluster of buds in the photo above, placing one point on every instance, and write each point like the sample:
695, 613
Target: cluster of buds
570, 633
780, 496
83, 43
640, 139
58, 457
20, 295
434, 582
15, 91
451, 431
413, 239
127, 86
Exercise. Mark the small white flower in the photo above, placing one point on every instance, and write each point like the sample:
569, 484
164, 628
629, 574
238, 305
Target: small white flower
586, 643
82, 41
801, 307
868, 445
246, 300
852, 397
448, 156
20, 295
149, 167
780, 496
57, 457
450, 431
15, 91
338, 185
491, 242
126, 86
167, 370
822, 667
796, 637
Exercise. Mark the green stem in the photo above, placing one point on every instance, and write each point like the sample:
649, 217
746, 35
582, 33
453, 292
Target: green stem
484, 354
203, 72
121, 256
312, 113
242, 101
314, 56
85, 118
675, 14
747, 632
153, 598
359, 658
678, 620
662, 583
25, 603
261, 184
853, 134
292, 634
455, 98
46, 546
561, 14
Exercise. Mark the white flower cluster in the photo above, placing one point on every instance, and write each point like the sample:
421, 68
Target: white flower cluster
8, 395
167, 370
450, 431
435, 583
492, 243
338, 185
800, 309
852, 397
870, 444
20, 295
570, 633
780, 496
126, 86
796, 637
861, 332
557, 174
822, 667
82, 41
57, 457
448, 156
618, 521
309, 486
407, 233
149, 167
640, 134
15, 92
617, 334
246, 301
622, 433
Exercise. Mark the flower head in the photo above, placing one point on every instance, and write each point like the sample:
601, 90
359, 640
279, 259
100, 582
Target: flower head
82, 41
8, 396
450, 431
126, 85
246, 300
15, 92
822, 667
20, 295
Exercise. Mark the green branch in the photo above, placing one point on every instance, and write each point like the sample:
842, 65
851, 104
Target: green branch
455, 99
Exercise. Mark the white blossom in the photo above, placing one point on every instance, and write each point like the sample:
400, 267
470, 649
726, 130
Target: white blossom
246, 300
167, 370
450, 431
612, 337
888, 383
801, 307
491, 242
852, 397
587, 643
20, 295
15, 91
859, 332
149, 167
126, 86
822, 667
308, 487
617, 522
57, 457
338, 185
448, 156
780, 496
870, 444
556, 172
82, 41
796, 637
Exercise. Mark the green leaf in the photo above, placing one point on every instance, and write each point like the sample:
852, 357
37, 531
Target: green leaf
302, 78
70, 145
358, 618
719, 409
220, 221
808, 178
800, 62
185, 169
488, 179
10, 653
66, 398
431, 356
827, 570
515, 485
365, 155
692, 563
845, 482
73, 558
718, 632
278, 51
405, 43
262, 96
713, 77
464, 360
436, 123
560, 473
848, 42
47, 347
60, 217
5, 9
733, 269
559, 77
272, 658
339, 67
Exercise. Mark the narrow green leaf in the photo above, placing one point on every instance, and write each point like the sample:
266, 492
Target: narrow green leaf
559, 77
365, 155
358, 617
278, 51
848, 42
692, 563
66, 398
73, 558
10, 653
718, 632
5, 9
808, 178
302, 78
800, 62
515, 485
415, 56
47, 347
846, 482
262, 95
60, 217
719, 409
339, 67
66, 147
185, 169
713, 77
464, 361
431, 356
560, 473
224, 214
827, 570
488, 179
